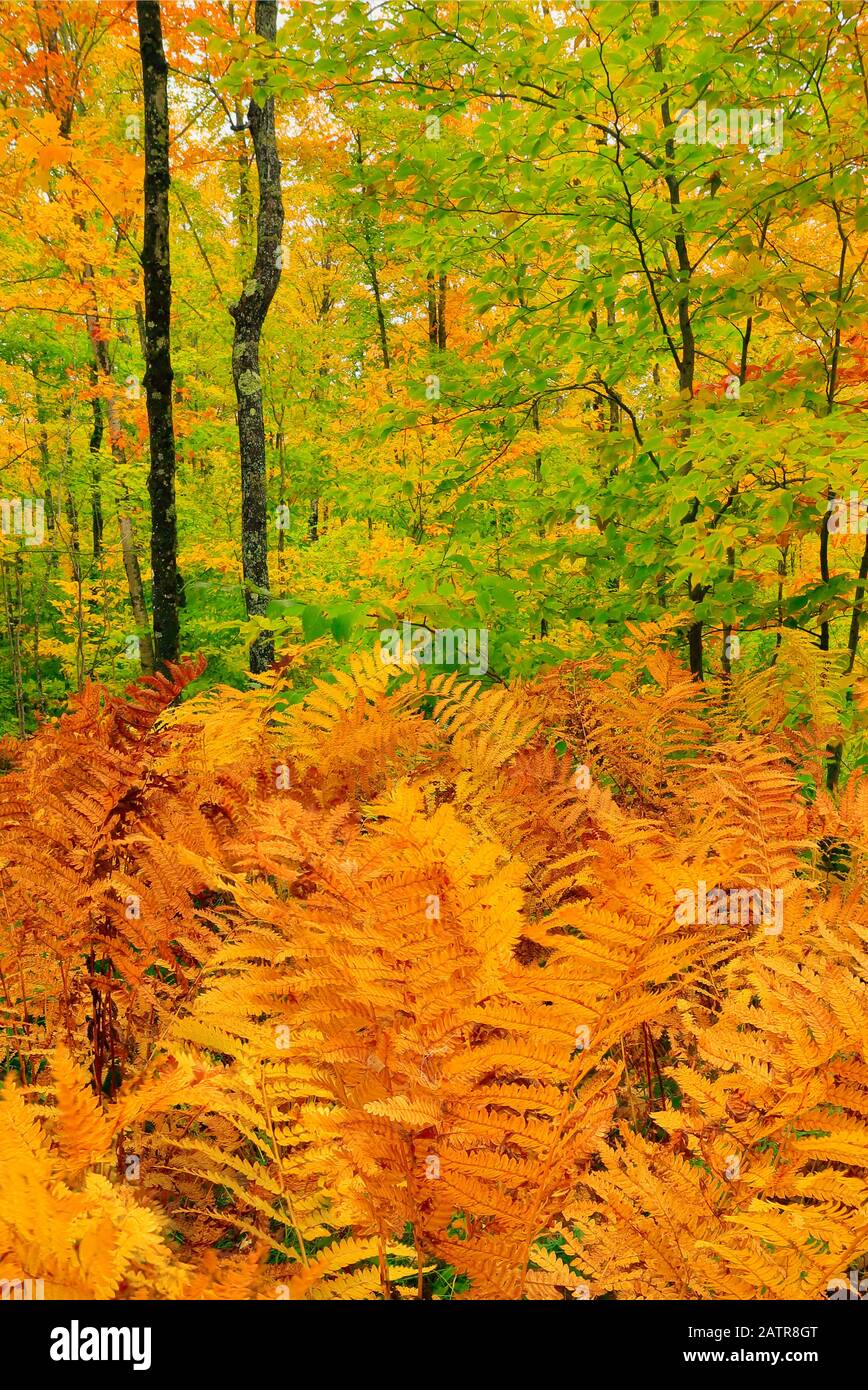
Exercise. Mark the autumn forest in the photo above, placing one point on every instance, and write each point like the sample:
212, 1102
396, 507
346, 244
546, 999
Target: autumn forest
433, 650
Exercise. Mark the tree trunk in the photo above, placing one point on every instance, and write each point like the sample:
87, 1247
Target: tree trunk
249, 315
244, 204
432, 309
686, 359
102, 363
95, 495
538, 492
441, 313
371, 264
858, 604
74, 552
156, 266
725, 658
281, 533
12, 568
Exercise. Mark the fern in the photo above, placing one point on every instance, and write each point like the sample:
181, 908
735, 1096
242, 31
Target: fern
409, 1008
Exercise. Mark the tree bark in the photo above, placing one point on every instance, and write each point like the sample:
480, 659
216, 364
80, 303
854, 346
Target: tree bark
74, 551
125, 525
858, 605
432, 309
371, 264
95, 494
441, 312
686, 358
249, 316
156, 266
836, 750
13, 627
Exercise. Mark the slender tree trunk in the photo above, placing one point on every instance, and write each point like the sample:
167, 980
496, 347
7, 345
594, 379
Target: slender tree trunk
534, 415
95, 494
381, 318
156, 266
824, 569
686, 358
432, 309
782, 574
538, 492
725, 659
441, 312
436, 310
38, 600
50, 516
858, 604
836, 750
319, 393
13, 627
245, 210
614, 408
125, 525
281, 534
136, 588
249, 316
371, 263
74, 552
244, 206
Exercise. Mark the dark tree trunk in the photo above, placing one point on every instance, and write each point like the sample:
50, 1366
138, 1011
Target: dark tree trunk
371, 263
436, 310
103, 365
725, 659
158, 308
686, 358
10, 571
538, 492
249, 315
824, 569
858, 605
96, 516
441, 313
381, 317
245, 207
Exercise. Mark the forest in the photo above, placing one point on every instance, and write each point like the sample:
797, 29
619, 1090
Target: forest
433, 650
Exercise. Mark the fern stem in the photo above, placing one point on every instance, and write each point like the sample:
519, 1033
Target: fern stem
285, 1197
